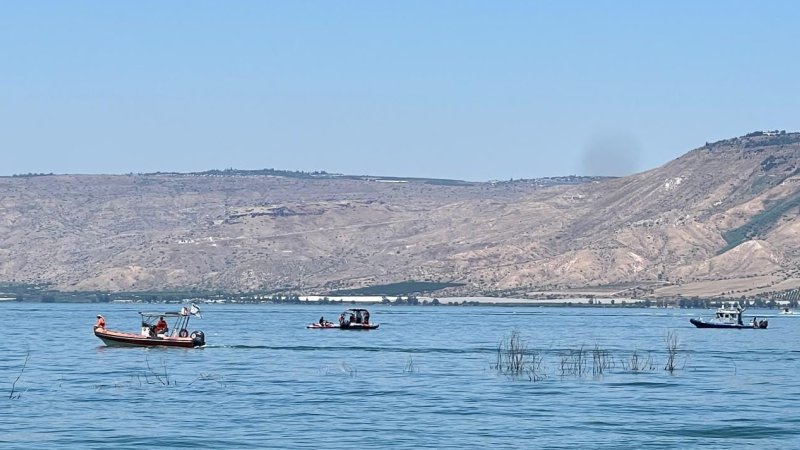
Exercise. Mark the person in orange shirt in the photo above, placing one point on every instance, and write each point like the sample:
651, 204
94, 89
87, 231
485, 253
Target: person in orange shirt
161, 325
101, 322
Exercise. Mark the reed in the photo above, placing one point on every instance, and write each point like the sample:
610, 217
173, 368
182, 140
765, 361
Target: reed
671, 341
637, 363
342, 368
409, 368
351, 371
163, 380
511, 354
11, 396
205, 376
513, 358
601, 360
537, 370
574, 362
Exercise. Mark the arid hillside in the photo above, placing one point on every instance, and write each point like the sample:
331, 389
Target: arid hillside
721, 220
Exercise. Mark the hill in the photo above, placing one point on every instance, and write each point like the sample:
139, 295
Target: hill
720, 220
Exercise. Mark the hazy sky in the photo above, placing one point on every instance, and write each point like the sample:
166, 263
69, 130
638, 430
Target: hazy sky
448, 89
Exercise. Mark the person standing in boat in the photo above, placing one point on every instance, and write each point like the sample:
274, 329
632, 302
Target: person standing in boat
366, 317
101, 322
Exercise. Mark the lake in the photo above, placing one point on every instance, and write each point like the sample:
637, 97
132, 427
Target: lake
425, 379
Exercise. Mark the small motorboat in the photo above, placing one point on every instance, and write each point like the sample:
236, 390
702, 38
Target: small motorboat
787, 312
356, 319
156, 331
730, 317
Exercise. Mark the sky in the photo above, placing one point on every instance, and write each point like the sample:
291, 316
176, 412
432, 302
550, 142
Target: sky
471, 90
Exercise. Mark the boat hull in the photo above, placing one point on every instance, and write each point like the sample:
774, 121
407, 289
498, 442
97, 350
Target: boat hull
359, 326
316, 326
344, 326
120, 339
703, 324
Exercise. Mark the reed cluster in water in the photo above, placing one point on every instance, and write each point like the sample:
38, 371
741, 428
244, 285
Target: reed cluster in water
516, 359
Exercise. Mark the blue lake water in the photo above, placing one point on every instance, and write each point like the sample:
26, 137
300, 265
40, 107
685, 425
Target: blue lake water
423, 380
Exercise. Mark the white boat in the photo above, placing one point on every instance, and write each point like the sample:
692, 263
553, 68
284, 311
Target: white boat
729, 317
156, 334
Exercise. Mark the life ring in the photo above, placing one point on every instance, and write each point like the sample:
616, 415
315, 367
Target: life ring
183, 333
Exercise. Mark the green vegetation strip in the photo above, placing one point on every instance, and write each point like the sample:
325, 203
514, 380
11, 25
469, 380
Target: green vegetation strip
759, 224
401, 288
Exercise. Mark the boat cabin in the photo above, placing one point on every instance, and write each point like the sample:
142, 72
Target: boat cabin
168, 324
729, 314
354, 316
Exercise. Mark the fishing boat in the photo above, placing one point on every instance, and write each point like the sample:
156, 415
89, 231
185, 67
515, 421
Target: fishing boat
356, 319
730, 317
156, 331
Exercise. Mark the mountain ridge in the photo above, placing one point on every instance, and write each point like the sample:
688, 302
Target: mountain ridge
726, 211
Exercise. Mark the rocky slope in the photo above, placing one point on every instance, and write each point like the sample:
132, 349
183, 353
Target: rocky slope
721, 220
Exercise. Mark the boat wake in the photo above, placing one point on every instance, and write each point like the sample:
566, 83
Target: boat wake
314, 348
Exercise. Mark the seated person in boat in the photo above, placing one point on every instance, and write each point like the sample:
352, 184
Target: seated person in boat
322, 320
101, 322
161, 326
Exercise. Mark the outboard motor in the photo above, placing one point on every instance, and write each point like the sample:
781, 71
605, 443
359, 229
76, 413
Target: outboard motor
198, 338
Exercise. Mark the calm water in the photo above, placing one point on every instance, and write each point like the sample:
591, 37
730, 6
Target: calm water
424, 379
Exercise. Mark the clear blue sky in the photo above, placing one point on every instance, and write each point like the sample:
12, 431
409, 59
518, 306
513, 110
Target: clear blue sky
449, 89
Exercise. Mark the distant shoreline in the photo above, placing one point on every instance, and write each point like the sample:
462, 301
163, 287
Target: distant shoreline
402, 301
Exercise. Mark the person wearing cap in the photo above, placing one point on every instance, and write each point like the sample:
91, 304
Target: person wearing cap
101, 322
